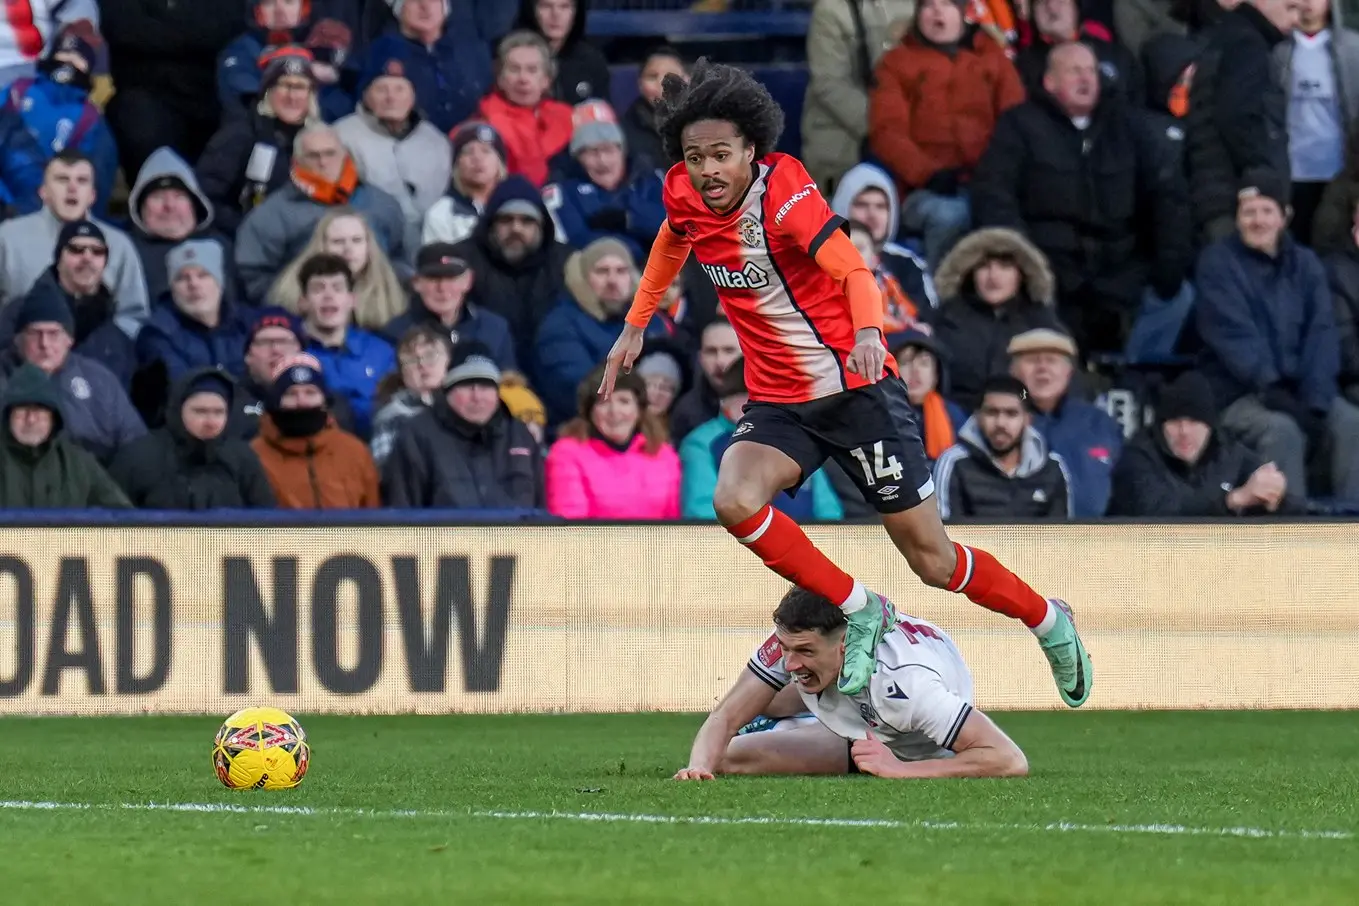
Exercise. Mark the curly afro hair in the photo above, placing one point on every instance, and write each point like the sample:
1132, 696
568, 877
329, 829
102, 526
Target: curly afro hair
718, 92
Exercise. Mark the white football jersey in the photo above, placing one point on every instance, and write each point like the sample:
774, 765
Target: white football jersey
920, 694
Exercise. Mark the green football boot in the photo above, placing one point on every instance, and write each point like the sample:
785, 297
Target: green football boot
1067, 657
867, 626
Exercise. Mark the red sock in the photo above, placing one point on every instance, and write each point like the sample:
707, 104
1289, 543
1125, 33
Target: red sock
785, 548
981, 577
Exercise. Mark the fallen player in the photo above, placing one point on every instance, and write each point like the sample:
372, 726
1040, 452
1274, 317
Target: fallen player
915, 718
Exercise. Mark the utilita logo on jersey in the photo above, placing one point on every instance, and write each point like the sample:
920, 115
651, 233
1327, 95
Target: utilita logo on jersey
808, 189
752, 276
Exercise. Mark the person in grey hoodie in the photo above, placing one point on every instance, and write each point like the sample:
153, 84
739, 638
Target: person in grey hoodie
866, 194
168, 207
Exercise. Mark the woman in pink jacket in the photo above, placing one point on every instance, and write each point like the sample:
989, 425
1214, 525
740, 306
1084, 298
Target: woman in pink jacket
613, 461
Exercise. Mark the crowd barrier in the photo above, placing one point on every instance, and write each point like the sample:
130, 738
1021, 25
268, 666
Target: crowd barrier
108, 617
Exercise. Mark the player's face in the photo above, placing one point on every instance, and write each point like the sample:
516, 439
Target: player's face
1002, 419
871, 208
813, 659
718, 351
1186, 438
719, 162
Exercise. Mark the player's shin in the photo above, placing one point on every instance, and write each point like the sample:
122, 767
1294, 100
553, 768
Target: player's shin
983, 580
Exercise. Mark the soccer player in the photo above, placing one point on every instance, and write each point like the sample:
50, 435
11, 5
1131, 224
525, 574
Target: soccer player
808, 315
915, 719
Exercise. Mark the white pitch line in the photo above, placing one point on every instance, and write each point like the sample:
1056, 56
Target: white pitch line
1256, 833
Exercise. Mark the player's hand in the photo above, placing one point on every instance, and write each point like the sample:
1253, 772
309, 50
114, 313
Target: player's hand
625, 351
694, 774
873, 757
868, 355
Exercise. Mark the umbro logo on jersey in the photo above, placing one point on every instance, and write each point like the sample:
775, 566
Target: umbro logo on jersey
752, 276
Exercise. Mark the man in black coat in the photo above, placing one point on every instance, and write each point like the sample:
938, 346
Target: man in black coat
465, 451
1185, 466
191, 463
1238, 111
1089, 181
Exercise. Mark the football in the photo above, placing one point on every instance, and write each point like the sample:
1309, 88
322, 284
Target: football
260, 749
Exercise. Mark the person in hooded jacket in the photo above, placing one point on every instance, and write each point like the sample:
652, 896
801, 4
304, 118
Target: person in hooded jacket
274, 23
639, 120
867, 195
193, 463
994, 284
582, 71
166, 207
40, 467
311, 462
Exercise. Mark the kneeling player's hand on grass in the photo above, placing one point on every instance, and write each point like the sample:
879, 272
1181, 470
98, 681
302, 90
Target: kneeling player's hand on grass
868, 355
694, 774
873, 757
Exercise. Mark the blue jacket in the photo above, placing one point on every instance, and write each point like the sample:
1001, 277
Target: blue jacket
238, 78
476, 324
21, 165
354, 370
1089, 440
1267, 320
185, 345
60, 117
571, 342
450, 78
702, 450
574, 201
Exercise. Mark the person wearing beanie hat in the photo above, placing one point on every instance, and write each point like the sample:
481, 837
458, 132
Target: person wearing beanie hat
1183, 465
616, 196
478, 168
663, 377
322, 48
535, 128
193, 462
79, 263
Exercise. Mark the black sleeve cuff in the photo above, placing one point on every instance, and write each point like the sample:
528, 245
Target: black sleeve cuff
835, 223
765, 677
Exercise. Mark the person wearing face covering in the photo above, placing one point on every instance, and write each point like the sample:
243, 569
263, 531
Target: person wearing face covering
311, 462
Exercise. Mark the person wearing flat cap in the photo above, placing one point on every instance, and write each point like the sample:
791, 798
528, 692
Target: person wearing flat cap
1185, 465
1271, 349
1084, 435
465, 451
192, 463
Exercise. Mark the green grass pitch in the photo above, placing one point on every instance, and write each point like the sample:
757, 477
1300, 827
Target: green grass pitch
1193, 808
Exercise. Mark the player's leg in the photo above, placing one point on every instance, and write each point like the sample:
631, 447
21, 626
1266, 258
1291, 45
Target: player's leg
810, 749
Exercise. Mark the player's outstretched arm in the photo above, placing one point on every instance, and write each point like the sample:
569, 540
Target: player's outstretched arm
981, 750
663, 265
747, 700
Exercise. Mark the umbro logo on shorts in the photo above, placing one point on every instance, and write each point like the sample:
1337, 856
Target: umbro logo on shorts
743, 428
888, 492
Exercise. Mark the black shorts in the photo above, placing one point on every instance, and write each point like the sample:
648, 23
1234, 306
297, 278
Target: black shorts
870, 432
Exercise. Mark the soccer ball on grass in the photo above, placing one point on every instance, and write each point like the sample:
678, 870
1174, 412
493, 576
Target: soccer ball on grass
261, 749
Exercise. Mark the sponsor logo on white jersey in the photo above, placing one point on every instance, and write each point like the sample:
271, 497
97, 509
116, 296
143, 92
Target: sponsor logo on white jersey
752, 276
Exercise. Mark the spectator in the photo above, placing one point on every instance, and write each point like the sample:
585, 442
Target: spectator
167, 207
845, 41
899, 312
162, 58
534, 127
606, 193
1334, 219
702, 450
922, 363
26, 243
465, 451
40, 468
523, 404
21, 167
716, 351
310, 461
938, 97
1086, 178
56, 107
659, 367
1271, 350
577, 335
274, 336
377, 288
867, 194
394, 147
353, 359
196, 325
639, 120
488, 20
1138, 21
1320, 69
1057, 22
1343, 269
1237, 120
424, 355
30, 28
520, 267
251, 155
191, 463
995, 284
478, 169
612, 461
1083, 434
273, 23
1184, 465
1001, 467
442, 282
323, 178
95, 409
447, 62
1168, 61
582, 72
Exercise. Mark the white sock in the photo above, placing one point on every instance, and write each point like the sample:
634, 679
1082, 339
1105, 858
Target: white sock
1049, 621
857, 600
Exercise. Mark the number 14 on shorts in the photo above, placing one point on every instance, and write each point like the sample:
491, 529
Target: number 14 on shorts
888, 467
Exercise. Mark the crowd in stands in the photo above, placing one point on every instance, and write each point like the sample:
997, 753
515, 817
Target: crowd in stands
366, 253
